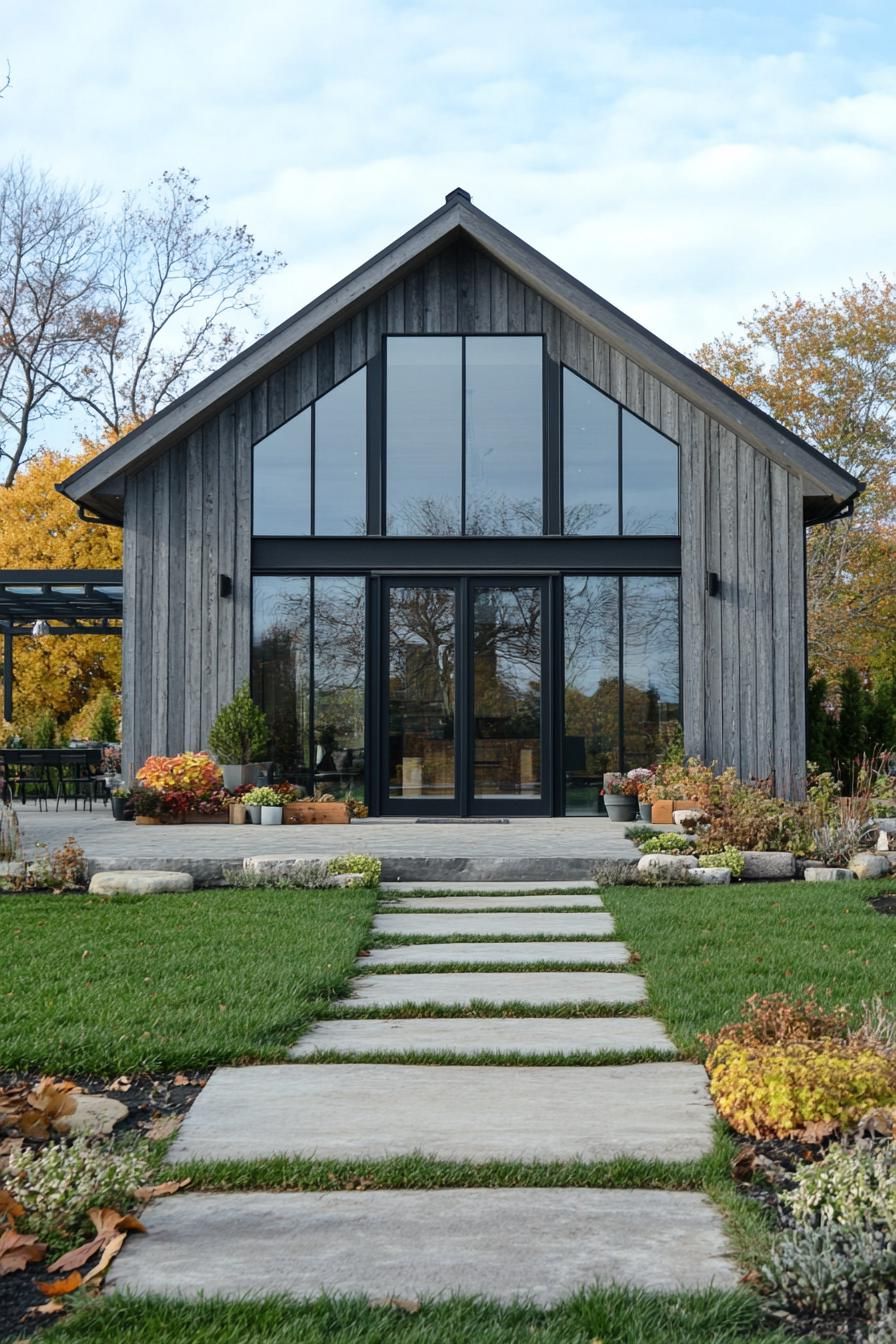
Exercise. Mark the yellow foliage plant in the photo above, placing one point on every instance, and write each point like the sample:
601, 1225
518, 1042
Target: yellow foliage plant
41, 530
798, 1089
191, 772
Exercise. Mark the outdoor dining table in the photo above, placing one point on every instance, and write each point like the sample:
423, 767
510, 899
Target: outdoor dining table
31, 770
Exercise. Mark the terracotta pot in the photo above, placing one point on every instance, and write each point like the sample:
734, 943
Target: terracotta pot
317, 814
664, 807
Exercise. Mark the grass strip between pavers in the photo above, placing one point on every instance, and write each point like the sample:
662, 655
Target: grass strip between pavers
381, 940
509, 1058
607, 1315
340, 1008
424, 967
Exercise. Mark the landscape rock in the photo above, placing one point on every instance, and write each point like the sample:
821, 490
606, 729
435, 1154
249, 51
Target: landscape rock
689, 817
768, 865
870, 865
886, 824
139, 882
711, 877
345, 880
668, 866
95, 1117
828, 875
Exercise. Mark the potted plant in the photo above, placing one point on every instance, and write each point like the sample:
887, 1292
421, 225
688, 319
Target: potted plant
239, 738
120, 799
269, 804
322, 809
620, 797
643, 779
291, 795
147, 804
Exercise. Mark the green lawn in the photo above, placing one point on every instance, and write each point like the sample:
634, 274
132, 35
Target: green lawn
603, 1317
705, 949
111, 985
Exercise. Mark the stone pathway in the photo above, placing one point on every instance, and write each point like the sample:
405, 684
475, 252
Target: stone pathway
505, 1244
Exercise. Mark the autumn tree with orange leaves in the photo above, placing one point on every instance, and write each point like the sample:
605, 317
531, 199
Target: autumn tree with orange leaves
827, 370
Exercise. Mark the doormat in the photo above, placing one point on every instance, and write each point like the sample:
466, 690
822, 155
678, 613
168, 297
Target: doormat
463, 821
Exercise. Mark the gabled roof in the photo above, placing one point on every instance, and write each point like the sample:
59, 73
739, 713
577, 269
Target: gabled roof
99, 484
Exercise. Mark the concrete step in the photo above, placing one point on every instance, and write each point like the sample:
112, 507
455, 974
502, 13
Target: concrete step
480, 888
479, 1035
461, 988
525, 925
446, 954
505, 1245
479, 1113
424, 904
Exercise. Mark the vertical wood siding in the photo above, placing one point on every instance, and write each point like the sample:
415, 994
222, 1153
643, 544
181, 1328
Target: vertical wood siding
188, 519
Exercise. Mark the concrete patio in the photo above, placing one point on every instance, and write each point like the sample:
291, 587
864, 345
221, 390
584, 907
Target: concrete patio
532, 848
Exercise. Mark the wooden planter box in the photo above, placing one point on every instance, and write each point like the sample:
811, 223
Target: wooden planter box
207, 818
315, 814
664, 807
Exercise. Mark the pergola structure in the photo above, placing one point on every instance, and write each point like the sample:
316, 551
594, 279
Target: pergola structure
42, 602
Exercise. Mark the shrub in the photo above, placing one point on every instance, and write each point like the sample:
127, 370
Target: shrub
669, 842
615, 783
240, 734
58, 1183
780, 1091
729, 857
192, 772
104, 721
883, 1330
642, 780
147, 802
44, 731
62, 869
264, 796
852, 1186
749, 816
779, 1019
683, 779
638, 834
370, 867
824, 1271
837, 842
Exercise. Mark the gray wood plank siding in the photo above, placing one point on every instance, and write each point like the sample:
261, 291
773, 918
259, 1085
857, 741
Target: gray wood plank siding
188, 519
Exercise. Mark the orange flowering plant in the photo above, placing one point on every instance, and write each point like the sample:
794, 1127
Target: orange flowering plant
193, 772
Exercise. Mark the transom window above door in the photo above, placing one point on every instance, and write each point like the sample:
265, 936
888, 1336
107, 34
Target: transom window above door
464, 435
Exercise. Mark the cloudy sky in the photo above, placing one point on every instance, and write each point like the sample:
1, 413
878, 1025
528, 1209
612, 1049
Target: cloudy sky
686, 161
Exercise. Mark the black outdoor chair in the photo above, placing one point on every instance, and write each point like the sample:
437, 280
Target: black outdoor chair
31, 775
76, 779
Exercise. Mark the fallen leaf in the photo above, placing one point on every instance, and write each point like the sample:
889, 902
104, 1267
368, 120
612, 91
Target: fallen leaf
44, 1309
9, 1151
61, 1286
744, 1163
818, 1131
109, 1221
47, 1106
408, 1304
181, 1079
10, 1209
78, 1257
18, 1249
122, 1084
107, 1257
146, 1192
163, 1127
752, 1278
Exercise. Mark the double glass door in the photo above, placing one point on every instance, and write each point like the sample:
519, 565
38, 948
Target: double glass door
464, 685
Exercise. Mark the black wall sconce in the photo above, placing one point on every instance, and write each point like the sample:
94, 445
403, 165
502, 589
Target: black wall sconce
225, 585
712, 583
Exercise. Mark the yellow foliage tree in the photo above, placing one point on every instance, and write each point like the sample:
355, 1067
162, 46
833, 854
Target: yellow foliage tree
41, 530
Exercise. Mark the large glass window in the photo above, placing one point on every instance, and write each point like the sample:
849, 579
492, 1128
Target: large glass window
598, 434
421, 673
649, 480
621, 693
464, 435
507, 692
310, 475
591, 694
424, 433
340, 459
590, 459
281, 496
308, 661
504, 435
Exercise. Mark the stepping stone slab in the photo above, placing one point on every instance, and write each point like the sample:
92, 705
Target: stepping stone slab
537, 1246
461, 988
475, 1035
454, 1112
423, 904
480, 888
139, 882
444, 954
522, 926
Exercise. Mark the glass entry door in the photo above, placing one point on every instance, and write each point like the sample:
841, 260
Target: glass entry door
464, 696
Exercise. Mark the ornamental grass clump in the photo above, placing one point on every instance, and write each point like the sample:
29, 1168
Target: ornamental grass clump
58, 1183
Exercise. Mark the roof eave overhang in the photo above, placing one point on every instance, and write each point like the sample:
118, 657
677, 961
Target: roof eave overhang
90, 485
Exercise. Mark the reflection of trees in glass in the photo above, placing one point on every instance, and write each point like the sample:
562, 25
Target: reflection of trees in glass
651, 663
591, 638
338, 670
507, 661
590, 520
498, 516
421, 650
281, 664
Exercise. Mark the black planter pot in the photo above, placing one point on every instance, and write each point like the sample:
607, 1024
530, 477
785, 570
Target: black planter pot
120, 808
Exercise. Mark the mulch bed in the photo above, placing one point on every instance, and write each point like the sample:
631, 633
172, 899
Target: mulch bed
885, 904
150, 1098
